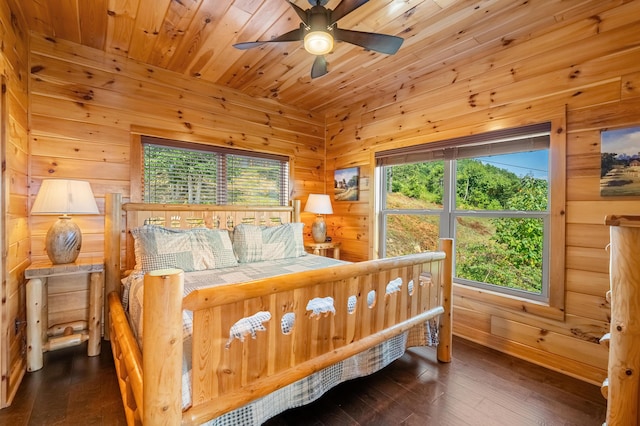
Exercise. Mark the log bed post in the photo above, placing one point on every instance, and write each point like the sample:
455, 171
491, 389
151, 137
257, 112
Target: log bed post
112, 227
623, 396
445, 334
162, 347
295, 214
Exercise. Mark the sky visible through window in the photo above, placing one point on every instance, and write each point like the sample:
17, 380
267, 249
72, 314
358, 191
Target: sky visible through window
535, 163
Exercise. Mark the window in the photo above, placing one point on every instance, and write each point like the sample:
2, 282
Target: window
489, 192
188, 173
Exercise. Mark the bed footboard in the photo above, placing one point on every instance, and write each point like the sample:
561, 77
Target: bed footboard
252, 338
241, 349
334, 313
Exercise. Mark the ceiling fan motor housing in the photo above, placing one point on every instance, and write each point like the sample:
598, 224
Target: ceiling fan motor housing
318, 19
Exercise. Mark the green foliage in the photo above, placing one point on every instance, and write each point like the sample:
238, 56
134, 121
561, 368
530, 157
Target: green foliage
423, 181
483, 186
493, 263
524, 237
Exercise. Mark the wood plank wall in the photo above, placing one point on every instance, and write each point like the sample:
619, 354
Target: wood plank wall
15, 244
589, 64
85, 103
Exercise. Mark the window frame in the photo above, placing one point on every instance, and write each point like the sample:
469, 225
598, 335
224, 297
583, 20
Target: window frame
553, 306
141, 136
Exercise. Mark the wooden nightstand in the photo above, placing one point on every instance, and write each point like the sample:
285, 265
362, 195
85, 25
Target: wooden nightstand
69, 297
321, 248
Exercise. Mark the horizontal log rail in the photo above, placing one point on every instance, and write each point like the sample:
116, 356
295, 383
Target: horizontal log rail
230, 293
131, 207
128, 361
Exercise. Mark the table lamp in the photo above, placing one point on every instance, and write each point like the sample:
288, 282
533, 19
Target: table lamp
319, 204
64, 197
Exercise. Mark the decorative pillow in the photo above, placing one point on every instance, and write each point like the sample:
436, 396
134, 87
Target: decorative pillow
253, 243
190, 250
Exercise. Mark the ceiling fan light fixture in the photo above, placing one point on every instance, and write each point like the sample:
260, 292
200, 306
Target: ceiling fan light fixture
318, 42
319, 29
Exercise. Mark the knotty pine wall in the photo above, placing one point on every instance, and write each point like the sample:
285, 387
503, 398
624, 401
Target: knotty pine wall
14, 153
590, 68
86, 104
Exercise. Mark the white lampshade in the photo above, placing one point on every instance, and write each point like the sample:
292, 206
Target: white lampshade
63, 197
318, 42
319, 204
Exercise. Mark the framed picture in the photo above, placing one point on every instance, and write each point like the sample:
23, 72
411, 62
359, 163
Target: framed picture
620, 162
345, 187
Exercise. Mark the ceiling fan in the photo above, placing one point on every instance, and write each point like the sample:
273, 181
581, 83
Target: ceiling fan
319, 29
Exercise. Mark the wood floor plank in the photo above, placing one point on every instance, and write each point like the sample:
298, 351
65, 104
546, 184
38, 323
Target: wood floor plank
480, 387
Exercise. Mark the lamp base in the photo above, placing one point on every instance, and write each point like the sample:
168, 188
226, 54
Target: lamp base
63, 241
319, 230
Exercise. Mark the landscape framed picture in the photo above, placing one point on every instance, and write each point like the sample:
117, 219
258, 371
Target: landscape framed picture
620, 162
346, 184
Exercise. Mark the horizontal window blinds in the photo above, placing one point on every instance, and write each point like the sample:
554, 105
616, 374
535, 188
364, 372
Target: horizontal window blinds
176, 175
522, 139
256, 181
186, 173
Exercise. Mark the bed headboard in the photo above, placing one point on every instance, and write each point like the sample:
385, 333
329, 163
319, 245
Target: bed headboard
120, 218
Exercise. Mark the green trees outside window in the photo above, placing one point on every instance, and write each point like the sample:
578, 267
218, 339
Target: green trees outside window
496, 208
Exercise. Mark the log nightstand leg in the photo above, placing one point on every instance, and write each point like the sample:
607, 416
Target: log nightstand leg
35, 330
96, 291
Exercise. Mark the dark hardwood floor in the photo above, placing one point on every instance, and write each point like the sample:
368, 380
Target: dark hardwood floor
480, 387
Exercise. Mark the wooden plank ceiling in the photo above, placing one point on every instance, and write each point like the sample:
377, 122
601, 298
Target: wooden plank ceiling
195, 37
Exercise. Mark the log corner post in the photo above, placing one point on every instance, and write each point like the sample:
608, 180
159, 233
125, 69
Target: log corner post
445, 334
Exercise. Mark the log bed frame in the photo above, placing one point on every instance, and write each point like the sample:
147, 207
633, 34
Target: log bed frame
225, 379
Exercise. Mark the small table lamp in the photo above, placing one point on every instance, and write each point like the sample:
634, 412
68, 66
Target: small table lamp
62, 196
319, 204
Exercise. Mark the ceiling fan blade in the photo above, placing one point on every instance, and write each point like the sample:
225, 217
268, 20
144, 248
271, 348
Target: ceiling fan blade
344, 8
382, 43
319, 67
300, 11
293, 35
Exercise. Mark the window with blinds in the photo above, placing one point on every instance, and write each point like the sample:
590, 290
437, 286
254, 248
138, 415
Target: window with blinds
176, 172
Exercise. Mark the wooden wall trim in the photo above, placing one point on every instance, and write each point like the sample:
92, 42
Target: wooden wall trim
135, 172
557, 159
4, 342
